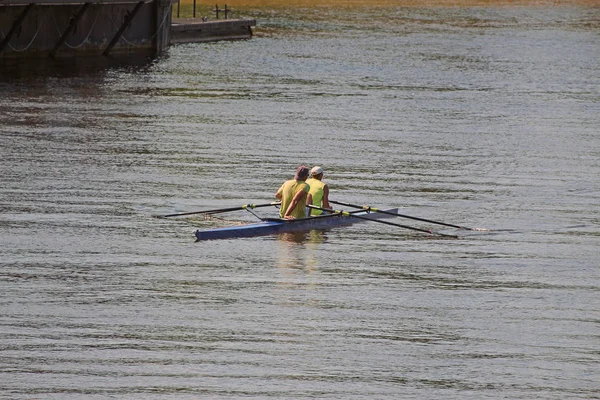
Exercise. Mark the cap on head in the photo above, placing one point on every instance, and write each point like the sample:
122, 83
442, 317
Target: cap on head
301, 172
316, 170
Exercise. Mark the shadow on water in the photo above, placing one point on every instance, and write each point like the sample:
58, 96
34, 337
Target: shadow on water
32, 69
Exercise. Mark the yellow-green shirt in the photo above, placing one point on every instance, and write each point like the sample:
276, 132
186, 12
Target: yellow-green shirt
287, 191
317, 192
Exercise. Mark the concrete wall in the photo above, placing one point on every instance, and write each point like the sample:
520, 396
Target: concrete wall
46, 22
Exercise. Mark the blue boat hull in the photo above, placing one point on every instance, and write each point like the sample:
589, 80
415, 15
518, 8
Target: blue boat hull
275, 226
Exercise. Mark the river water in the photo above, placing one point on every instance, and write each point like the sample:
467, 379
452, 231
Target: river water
486, 117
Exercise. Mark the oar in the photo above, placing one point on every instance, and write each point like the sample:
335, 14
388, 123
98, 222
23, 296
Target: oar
368, 208
350, 214
221, 210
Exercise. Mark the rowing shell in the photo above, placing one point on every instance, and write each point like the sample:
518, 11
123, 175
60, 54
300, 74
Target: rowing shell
272, 226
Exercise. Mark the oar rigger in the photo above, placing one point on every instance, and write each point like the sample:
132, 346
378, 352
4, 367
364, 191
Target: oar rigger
349, 214
373, 209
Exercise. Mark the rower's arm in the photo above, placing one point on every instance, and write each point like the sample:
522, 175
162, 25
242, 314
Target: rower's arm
301, 194
326, 197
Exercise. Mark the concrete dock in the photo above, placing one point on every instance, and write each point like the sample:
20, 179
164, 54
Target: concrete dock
192, 30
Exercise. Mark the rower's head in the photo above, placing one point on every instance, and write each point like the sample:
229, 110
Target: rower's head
316, 172
301, 173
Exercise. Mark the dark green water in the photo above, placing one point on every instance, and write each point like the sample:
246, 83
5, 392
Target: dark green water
484, 117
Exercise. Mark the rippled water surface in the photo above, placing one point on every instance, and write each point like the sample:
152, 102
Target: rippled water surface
483, 117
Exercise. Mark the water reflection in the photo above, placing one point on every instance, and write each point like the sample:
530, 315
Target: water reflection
28, 69
311, 237
299, 250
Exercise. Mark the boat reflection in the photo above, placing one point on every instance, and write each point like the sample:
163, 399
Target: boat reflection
299, 250
310, 237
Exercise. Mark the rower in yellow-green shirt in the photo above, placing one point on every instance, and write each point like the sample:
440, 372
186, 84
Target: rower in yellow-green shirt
294, 194
319, 191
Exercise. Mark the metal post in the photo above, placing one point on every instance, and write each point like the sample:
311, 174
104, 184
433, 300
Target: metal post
226, 11
128, 19
178, 6
70, 28
163, 10
217, 10
194, 13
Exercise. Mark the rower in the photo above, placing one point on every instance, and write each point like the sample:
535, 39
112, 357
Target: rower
294, 194
319, 190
